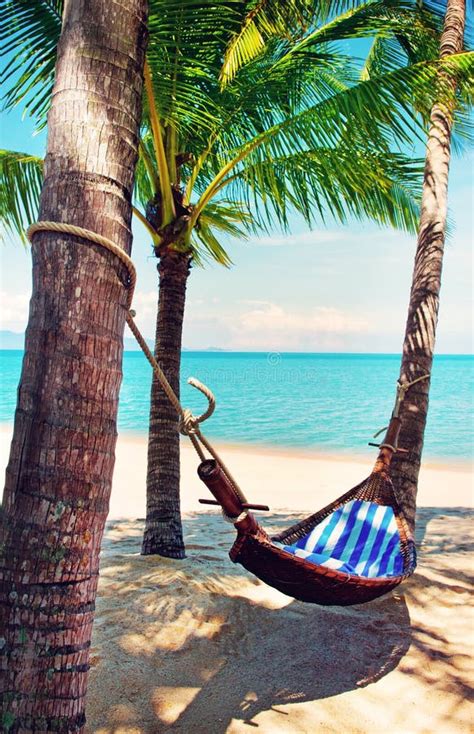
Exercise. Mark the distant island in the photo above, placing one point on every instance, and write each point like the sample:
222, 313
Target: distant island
12, 340
16, 340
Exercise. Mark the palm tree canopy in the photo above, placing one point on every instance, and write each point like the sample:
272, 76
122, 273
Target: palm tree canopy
254, 110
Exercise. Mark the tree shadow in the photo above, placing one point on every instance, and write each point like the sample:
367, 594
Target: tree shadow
297, 655
439, 597
197, 644
443, 541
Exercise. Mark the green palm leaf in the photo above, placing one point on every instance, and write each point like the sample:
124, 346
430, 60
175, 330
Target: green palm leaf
371, 108
264, 20
21, 177
259, 102
281, 19
30, 35
346, 181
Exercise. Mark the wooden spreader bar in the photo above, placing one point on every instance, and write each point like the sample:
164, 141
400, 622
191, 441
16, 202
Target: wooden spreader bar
245, 505
399, 450
232, 503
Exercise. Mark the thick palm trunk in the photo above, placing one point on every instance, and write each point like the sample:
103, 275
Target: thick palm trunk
163, 529
59, 475
422, 319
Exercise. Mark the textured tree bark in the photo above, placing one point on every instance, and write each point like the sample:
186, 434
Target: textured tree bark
59, 475
422, 319
163, 529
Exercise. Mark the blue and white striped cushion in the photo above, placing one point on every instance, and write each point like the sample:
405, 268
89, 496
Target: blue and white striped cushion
360, 538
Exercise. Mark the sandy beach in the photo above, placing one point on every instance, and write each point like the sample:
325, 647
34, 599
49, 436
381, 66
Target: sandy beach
200, 646
285, 479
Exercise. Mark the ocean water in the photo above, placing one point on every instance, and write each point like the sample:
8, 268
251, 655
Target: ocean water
326, 402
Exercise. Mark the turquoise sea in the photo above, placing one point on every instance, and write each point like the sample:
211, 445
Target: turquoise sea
325, 402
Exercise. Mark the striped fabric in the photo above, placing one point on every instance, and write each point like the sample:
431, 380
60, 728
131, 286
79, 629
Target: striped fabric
360, 538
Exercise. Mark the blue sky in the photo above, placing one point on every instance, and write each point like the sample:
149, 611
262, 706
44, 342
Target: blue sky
336, 288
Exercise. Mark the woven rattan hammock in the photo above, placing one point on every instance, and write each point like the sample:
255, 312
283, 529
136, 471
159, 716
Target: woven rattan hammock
354, 550
284, 561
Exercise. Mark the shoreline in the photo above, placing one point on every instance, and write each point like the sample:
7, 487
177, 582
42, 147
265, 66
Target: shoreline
290, 481
447, 463
440, 463
263, 352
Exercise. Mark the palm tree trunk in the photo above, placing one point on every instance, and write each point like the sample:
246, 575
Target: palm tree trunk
163, 529
59, 474
422, 319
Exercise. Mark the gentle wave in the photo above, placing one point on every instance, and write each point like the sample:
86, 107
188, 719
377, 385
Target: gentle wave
330, 402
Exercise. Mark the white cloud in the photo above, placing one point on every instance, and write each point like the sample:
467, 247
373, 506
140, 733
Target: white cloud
145, 302
263, 325
326, 319
270, 326
13, 310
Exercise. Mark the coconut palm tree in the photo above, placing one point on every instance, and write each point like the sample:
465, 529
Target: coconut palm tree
59, 474
249, 116
418, 345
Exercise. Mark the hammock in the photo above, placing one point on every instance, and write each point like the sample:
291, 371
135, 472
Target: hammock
354, 550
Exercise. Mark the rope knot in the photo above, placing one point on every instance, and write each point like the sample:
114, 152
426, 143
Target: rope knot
189, 424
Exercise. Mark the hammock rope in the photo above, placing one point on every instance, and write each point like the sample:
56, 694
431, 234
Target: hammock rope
188, 422
402, 389
295, 561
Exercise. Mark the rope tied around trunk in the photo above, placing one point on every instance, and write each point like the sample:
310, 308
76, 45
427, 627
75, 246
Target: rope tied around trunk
188, 422
402, 389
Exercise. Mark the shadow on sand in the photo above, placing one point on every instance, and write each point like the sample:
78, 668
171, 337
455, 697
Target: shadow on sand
191, 646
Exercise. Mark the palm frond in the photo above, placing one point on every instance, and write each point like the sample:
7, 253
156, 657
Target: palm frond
21, 176
265, 20
380, 110
205, 244
350, 180
31, 30
146, 178
392, 18
226, 216
385, 54
259, 102
186, 44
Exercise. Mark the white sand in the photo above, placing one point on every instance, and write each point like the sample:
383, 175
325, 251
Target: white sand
201, 647
283, 479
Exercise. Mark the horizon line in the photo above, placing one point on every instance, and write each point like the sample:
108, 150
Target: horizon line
207, 350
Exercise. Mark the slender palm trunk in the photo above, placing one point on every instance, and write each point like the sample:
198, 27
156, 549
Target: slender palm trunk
420, 331
163, 529
59, 475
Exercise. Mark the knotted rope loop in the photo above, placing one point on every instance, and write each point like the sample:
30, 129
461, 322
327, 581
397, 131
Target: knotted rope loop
210, 398
402, 389
233, 520
97, 239
188, 424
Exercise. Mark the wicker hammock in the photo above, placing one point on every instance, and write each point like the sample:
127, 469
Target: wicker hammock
299, 577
